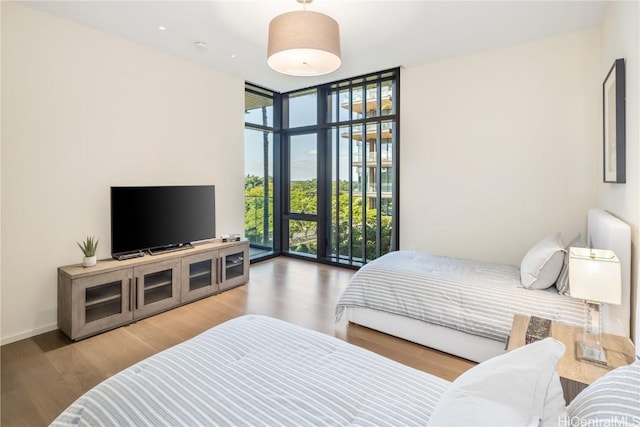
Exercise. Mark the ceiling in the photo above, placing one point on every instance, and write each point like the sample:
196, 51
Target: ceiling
375, 34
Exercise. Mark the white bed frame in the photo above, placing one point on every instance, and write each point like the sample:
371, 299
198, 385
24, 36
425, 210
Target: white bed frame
604, 232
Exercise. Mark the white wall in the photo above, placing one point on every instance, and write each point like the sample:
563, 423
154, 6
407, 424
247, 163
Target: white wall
496, 149
83, 110
620, 38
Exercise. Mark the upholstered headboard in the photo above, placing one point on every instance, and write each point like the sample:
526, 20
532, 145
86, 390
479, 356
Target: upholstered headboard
608, 232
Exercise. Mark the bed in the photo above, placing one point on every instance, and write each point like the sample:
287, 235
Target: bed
256, 370
465, 307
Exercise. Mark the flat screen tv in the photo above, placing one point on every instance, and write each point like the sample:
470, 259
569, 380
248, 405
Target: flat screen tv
159, 218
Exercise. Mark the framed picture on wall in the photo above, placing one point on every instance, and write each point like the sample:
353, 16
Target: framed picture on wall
613, 124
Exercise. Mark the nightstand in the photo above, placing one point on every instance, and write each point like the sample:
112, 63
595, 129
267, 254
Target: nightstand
575, 374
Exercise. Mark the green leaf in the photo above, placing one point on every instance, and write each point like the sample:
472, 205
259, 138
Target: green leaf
89, 246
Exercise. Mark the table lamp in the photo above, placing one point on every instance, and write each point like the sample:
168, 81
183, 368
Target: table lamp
595, 277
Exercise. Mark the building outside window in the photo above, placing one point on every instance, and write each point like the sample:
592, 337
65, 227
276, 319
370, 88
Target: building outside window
363, 114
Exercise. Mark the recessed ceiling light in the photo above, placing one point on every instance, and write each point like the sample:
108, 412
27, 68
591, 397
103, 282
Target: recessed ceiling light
162, 28
201, 45
232, 56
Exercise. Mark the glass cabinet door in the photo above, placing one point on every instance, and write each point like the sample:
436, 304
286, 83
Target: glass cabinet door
157, 286
234, 266
103, 302
199, 276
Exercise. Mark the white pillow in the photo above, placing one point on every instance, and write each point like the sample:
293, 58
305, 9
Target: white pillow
519, 388
541, 266
562, 284
555, 407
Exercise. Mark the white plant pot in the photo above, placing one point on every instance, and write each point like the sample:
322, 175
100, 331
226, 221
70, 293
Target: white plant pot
89, 261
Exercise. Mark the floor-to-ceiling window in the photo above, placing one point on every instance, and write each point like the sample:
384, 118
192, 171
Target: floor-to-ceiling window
300, 172
363, 142
333, 192
261, 117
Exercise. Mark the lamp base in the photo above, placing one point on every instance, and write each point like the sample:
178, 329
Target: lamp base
591, 353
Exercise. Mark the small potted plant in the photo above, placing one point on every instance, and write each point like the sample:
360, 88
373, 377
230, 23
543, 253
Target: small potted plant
88, 248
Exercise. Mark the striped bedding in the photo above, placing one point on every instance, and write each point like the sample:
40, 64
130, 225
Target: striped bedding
255, 370
475, 297
612, 400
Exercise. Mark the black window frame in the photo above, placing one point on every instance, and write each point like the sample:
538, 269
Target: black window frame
281, 134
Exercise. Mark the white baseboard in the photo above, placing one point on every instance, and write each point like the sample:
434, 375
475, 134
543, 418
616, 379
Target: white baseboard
28, 334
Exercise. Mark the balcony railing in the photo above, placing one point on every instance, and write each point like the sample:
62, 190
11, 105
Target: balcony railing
386, 100
385, 190
372, 132
372, 157
255, 223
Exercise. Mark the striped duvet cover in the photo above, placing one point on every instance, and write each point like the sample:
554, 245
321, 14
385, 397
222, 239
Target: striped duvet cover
475, 297
256, 370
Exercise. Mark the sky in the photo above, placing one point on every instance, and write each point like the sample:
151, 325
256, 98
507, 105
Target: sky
303, 112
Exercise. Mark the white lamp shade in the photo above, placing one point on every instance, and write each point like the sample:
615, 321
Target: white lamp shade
595, 275
304, 43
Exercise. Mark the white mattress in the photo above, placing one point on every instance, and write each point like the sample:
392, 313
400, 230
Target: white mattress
256, 370
474, 297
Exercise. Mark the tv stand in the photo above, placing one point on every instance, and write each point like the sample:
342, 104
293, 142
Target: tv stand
115, 293
172, 248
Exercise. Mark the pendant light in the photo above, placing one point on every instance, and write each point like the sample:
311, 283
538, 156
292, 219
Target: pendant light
304, 43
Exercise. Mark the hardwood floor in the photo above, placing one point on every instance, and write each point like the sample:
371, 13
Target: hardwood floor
42, 375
